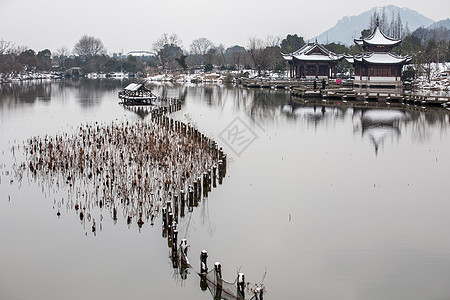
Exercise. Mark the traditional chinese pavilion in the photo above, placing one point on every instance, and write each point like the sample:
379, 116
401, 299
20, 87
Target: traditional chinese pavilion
377, 66
312, 61
136, 94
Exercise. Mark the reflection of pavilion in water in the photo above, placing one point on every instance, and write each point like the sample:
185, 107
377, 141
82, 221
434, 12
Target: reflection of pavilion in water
377, 124
141, 111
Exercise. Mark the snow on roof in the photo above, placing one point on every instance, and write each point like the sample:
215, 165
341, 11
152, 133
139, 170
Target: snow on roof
378, 38
311, 52
140, 53
315, 56
350, 59
381, 58
133, 87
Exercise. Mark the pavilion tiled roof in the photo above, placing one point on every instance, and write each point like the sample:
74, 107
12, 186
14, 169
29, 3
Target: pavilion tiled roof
309, 53
378, 38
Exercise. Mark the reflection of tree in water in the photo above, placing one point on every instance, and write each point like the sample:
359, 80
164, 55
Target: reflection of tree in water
424, 121
208, 95
88, 92
25, 93
265, 104
91, 92
315, 113
169, 90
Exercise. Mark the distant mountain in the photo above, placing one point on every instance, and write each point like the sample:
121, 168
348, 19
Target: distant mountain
437, 31
350, 27
442, 23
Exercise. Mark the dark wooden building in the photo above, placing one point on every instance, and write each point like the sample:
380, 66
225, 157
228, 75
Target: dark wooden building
377, 66
312, 61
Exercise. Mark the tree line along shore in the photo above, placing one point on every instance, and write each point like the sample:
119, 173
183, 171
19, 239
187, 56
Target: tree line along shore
168, 55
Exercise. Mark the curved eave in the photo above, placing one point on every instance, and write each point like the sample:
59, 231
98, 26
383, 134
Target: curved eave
382, 59
399, 62
387, 43
287, 57
316, 58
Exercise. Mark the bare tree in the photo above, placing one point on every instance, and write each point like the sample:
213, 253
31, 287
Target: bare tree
256, 50
8, 61
5, 46
201, 46
62, 52
273, 41
220, 59
165, 47
60, 56
89, 46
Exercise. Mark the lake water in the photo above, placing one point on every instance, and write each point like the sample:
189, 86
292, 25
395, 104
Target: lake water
318, 202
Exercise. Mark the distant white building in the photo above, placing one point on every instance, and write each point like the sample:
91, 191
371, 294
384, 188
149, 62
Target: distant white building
140, 53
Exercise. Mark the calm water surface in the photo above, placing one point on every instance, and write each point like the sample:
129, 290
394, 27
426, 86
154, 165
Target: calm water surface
323, 202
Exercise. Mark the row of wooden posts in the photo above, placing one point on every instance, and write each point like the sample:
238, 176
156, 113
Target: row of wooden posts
240, 283
167, 106
175, 208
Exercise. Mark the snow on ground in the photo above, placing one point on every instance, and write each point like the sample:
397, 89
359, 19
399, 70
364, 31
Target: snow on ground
29, 76
211, 77
439, 78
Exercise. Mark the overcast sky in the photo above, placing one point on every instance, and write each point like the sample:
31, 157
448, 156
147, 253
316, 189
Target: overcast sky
135, 25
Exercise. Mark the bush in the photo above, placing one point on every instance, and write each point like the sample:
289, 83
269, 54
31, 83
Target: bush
409, 74
208, 67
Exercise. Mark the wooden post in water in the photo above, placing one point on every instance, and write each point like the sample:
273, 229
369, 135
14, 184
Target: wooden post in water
214, 175
203, 270
203, 262
169, 207
220, 163
224, 161
195, 189
241, 286
182, 203
164, 222
191, 196
218, 271
170, 219
164, 216
258, 293
175, 257
174, 239
209, 179
169, 229
205, 182
184, 249
175, 205
199, 185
